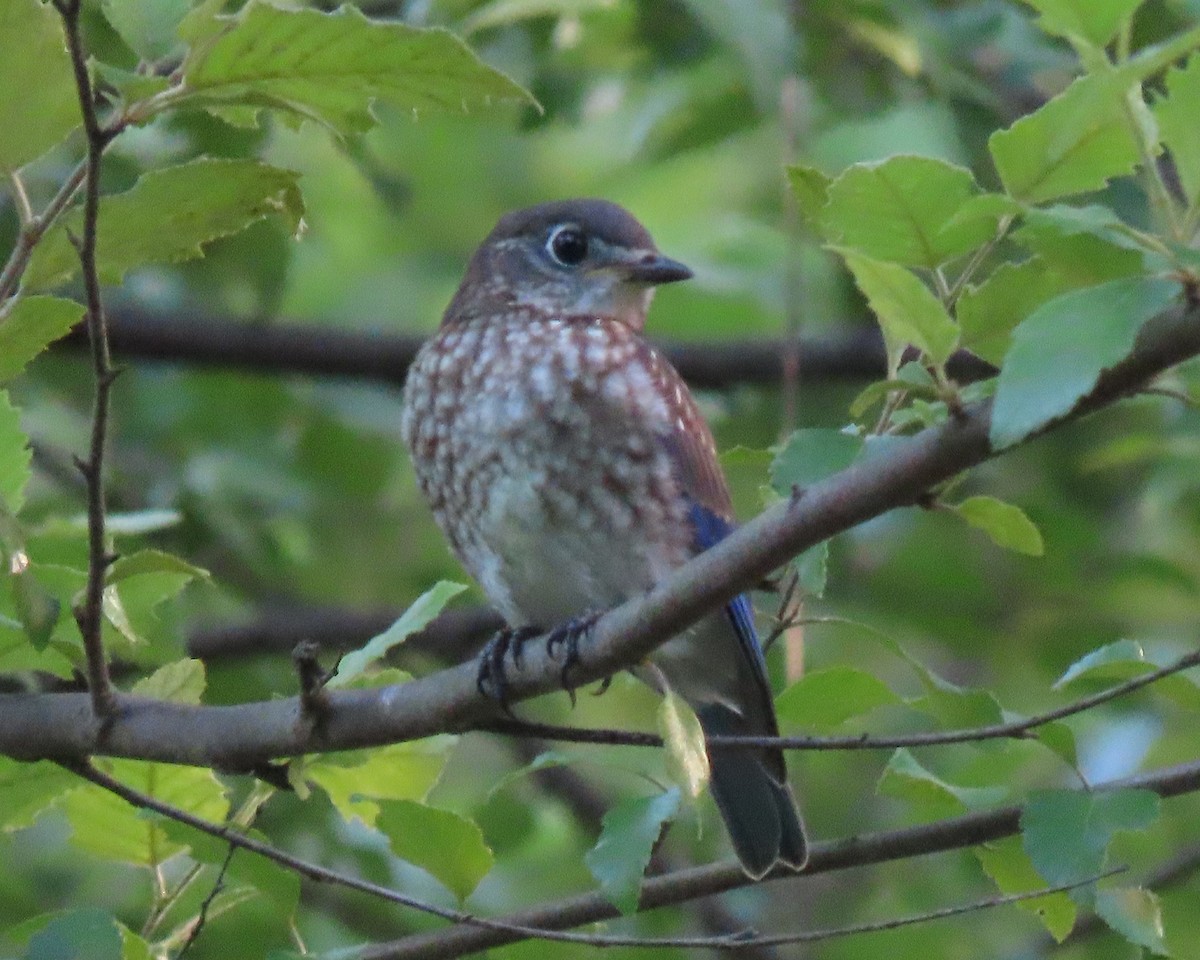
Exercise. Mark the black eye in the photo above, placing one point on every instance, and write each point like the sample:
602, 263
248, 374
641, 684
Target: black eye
568, 246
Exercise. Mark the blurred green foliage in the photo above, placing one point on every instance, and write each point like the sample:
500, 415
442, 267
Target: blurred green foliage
293, 492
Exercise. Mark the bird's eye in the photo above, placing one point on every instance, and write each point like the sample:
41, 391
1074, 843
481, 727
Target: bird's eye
568, 246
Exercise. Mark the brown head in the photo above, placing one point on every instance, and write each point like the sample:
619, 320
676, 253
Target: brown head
568, 257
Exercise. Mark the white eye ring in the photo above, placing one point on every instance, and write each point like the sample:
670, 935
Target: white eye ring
567, 245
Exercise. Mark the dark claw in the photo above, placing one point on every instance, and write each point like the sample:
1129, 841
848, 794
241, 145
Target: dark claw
603, 688
491, 680
568, 635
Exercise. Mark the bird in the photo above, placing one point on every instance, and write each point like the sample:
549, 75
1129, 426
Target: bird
570, 469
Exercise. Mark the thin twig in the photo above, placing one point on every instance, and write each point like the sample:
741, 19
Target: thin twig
21, 199
1016, 729
33, 230
202, 916
89, 614
316, 872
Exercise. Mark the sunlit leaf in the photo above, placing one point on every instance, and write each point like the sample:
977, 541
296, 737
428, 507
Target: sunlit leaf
1136, 914
27, 789
332, 66
33, 116
1095, 21
450, 847
1005, 523
168, 216
15, 457
1123, 660
627, 837
1060, 350
687, 758
31, 325
929, 795
415, 618
401, 771
1007, 863
990, 311
180, 682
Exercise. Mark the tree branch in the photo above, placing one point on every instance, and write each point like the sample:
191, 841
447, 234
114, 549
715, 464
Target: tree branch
208, 340
238, 737
968, 830
90, 613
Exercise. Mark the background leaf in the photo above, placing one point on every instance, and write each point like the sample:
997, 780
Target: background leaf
627, 837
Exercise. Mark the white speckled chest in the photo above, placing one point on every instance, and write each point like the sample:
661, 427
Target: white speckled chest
539, 444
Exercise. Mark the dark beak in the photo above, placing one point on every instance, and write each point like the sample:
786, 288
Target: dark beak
654, 268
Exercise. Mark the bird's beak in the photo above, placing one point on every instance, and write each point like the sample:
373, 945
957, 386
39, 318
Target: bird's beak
651, 267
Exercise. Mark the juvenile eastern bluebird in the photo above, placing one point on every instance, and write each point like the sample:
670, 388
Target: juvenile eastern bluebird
570, 469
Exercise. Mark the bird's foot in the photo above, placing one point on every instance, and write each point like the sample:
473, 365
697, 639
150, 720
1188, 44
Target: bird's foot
567, 635
492, 681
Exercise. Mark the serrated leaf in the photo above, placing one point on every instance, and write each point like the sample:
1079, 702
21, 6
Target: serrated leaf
687, 757
450, 847
27, 789
1176, 115
1135, 914
1095, 21
1009, 866
401, 771
415, 618
810, 455
1060, 350
627, 837
1067, 832
810, 187
331, 67
34, 116
901, 210
1005, 523
907, 311
989, 312
180, 682
31, 325
824, 699
147, 26
1075, 143
168, 216
105, 825
15, 457
930, 796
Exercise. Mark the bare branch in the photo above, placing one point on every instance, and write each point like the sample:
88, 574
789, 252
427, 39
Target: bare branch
238, 737
307, 349
90, 613
34, 229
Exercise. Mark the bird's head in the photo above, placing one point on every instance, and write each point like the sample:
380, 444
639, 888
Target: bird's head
565, 258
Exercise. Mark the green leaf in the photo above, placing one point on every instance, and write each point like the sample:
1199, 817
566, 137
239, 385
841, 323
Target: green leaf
401, 771
32, 324
812, 567
105, 825
810, 187
907, 311
26, 789
415, 618
449, 846
1067, 832
627, 837
15, 457
34, 116
1094, 21
955, 707
168, 216
179, 682
1061, 349
824, 699
988, 313
1123, 660
900, 210
148, 26
1005, 523
810, 455
687, 757
87, 934
331, 67
1135, 914
1084, 246
1176, 115
931, 797
1073, 144
1007, 863
277, 883
146, 562
137, 584
1059, 738
36, 608
501, 13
